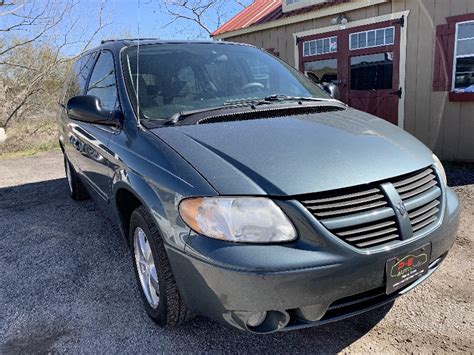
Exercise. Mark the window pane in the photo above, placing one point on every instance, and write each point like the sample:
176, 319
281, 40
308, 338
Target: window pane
312, 47
372, 72
379, 37
389, 35
362, 41
319, 46
354, 42
464, 72
326, 45
465, 47
333, 44
306, 48
324, 70
79, 74
466, 30
371, 38
102, 82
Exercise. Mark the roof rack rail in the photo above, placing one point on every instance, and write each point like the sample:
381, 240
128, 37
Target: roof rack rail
127, 39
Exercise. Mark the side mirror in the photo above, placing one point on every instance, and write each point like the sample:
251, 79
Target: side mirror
332, 90
87, 108
313, 77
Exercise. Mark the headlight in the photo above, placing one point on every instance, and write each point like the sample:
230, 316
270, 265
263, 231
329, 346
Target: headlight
441, 171
237, 219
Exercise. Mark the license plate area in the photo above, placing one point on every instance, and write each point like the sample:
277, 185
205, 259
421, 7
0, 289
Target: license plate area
407, 268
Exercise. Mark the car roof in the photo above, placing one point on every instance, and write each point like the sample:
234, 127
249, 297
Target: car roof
118, 44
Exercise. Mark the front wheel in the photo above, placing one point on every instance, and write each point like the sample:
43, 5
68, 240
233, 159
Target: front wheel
77, 190
153, 272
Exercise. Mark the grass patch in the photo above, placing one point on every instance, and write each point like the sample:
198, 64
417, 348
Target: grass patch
30, 152
27, 139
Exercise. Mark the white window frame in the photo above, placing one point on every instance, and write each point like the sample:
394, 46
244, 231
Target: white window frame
375, 45
455, 59
320, 39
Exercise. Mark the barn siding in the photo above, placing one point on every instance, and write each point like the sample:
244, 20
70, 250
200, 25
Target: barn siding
446, 127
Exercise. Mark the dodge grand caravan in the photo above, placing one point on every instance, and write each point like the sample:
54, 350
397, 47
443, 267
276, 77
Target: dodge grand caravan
245, 192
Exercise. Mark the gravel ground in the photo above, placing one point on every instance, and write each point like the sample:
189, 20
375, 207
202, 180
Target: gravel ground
67, 285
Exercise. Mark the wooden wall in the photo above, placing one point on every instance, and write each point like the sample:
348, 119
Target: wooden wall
446, 127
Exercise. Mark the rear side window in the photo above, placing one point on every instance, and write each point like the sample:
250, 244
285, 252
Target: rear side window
79, 74
102, 81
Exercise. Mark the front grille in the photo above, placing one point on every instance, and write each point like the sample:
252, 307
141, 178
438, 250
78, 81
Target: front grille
363, 217
421, 194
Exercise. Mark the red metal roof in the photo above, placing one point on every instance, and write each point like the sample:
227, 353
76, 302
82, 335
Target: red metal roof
248, 16
262, 11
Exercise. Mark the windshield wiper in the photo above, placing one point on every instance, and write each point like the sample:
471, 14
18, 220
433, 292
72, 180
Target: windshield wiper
281, 97
178, 116
246, 102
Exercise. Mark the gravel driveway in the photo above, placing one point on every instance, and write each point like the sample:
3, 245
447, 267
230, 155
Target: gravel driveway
67, 285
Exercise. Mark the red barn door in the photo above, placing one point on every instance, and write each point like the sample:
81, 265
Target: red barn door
362, 61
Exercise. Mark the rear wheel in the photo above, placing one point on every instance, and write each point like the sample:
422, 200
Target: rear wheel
153, 272
77, 190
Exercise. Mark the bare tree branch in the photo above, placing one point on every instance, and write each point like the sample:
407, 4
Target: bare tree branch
206, 15
33, 67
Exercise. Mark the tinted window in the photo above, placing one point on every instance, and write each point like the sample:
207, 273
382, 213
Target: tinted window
372, 72
102, 81
324, 70
79, 74
181, 77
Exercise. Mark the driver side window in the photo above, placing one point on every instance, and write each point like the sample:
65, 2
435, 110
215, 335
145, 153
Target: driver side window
102, 82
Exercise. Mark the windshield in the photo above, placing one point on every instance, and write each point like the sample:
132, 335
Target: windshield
183, 77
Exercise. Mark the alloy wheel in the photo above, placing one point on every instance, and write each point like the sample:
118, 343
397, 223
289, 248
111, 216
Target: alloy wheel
146, 267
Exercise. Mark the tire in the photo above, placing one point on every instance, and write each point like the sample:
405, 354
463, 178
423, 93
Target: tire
165, 307
77, 190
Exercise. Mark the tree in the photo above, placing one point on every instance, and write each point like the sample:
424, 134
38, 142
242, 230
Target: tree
204, 15
33, 65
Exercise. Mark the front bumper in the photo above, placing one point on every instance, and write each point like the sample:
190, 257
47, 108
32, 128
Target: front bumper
300, 284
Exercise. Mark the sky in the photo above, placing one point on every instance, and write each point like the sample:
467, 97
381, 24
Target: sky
123, 17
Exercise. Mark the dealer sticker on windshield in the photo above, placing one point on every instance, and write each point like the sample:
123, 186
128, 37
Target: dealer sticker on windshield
407, 268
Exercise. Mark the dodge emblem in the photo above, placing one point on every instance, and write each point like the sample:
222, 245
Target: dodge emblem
401, 209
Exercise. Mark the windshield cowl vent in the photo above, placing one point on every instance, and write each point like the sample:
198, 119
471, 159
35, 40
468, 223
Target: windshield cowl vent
269, 113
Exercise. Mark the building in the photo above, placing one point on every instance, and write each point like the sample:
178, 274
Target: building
410, 62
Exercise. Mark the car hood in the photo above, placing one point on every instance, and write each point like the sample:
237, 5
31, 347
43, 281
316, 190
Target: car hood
297, 154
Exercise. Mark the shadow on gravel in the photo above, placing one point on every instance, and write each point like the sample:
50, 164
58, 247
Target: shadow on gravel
68, 286
460, 174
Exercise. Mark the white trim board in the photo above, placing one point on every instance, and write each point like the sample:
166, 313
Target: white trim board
369, 21
327, 11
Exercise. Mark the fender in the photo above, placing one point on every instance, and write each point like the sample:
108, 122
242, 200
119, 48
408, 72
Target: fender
162, 206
